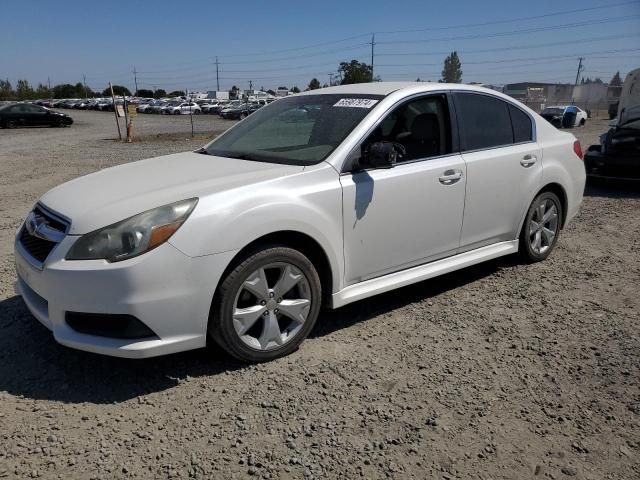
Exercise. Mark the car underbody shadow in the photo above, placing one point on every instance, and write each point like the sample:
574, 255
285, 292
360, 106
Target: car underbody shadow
334, 320
33, 365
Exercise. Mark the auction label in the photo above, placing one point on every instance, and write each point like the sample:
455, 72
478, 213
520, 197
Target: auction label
356, 102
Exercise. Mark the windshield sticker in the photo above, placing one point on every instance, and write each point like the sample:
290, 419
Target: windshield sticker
356, 102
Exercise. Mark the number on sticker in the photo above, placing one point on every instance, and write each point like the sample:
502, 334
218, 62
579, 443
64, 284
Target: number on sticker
356, 102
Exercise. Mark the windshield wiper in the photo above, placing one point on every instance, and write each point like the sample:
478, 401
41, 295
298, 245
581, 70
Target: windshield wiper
202, 150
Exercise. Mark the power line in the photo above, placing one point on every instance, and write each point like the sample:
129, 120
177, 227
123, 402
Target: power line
515, 32
511, 20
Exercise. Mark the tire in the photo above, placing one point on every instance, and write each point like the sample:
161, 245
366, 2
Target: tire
538, 239
248, 337
582, 122
10, 124
197, 112
176, 112
243, 116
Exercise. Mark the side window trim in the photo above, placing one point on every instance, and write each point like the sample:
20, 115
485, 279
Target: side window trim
354, 154
460, 130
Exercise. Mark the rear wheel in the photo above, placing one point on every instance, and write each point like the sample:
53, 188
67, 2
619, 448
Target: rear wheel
541, 227
10, 124
243, 116
176, 112
197, 112
267, 305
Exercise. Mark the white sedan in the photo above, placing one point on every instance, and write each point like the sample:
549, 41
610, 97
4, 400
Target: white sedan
185, 108
319, 199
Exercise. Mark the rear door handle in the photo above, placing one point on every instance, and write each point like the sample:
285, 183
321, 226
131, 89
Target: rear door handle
528, 160
450, 177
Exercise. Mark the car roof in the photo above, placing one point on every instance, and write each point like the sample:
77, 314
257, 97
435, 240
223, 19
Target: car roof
385, 88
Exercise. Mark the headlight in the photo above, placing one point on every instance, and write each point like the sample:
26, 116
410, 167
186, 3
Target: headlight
134, 236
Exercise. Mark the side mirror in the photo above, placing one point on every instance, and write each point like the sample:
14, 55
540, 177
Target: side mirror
379, 155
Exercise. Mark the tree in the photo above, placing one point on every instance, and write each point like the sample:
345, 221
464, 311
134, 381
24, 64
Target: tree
117, 90
452, 71
143, 92
271, 92
233, 93
24, 90
295, 89
355, 72
6, 90
159, 93
314, 84
42, 91
616, 81
176, 93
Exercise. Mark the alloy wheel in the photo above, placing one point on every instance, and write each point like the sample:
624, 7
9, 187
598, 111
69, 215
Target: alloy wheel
543, 226
271, 306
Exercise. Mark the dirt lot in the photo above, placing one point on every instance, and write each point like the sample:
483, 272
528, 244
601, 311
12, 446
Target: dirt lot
499, 371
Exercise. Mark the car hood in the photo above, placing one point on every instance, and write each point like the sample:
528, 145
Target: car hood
108, 196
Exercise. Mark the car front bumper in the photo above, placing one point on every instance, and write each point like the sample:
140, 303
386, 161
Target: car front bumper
168, 291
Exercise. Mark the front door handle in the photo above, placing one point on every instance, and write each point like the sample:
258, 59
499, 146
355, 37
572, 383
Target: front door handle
528, 160
450, 177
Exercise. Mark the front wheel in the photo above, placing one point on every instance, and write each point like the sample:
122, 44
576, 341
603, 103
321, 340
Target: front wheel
541, 227
267, 305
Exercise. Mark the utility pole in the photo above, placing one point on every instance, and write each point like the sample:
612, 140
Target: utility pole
135, 79
373, 43
217, 75
331, 79
49, 82
580, 68
84, 82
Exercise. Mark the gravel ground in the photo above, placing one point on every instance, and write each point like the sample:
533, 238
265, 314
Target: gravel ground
498, 371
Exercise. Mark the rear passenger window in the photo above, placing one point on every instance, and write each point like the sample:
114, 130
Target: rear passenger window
484, 121
522, 131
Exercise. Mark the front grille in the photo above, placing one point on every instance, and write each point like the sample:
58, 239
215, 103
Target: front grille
40, 248
36, 247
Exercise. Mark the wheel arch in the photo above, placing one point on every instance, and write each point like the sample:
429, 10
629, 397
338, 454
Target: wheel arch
296, 240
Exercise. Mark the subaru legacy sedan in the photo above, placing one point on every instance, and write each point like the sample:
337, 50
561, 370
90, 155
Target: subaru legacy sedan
319, 199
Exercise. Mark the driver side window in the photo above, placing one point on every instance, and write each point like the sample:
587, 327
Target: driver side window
420, 127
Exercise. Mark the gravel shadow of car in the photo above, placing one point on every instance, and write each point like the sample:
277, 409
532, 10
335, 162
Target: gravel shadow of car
33, 365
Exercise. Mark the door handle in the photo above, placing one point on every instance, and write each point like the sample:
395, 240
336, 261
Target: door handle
528, 160
450, 177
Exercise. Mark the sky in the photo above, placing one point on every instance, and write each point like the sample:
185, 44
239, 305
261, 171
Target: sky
174, 45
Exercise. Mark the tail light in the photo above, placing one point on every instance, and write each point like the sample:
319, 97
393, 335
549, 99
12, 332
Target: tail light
577, 149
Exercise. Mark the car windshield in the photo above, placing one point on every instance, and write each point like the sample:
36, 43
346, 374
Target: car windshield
553, 111
301, 130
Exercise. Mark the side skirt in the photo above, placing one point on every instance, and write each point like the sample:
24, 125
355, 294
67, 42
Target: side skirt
368, 288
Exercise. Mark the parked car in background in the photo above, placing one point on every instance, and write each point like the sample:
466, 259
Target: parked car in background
618, 154
243, 241
240, 111
205, 106
613, 110
564, 116
28, 115
183, 108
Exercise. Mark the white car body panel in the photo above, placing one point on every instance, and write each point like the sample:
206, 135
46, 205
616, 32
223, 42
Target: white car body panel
378, 204
380, 229
499, 190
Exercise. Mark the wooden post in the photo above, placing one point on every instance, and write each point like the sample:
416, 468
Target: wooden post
190, 112
115, 110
